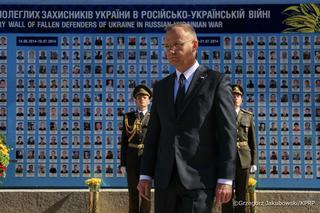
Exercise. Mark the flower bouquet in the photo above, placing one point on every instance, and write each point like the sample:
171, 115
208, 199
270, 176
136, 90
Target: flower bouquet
94, 187
251, 195
4, 156
94, 184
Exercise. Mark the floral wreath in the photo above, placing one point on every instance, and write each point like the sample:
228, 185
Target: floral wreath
4, 156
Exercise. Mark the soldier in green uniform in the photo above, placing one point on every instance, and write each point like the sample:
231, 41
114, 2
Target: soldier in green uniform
246, 153
133, 134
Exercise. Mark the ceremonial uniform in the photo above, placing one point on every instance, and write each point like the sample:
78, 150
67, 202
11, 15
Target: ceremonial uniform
246, 156
132, 144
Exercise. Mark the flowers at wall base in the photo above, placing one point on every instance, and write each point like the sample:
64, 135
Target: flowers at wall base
94, 184
252, 183
4, 156
251, 195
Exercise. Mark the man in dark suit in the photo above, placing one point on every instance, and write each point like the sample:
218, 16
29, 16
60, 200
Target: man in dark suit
190, 142
246, 152
132, 144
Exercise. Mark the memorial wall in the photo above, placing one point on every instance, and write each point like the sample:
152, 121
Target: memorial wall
67, 75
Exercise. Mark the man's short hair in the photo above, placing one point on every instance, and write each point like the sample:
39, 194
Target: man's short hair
187, 27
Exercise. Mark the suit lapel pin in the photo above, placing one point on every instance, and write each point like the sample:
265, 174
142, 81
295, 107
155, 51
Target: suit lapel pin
203, 76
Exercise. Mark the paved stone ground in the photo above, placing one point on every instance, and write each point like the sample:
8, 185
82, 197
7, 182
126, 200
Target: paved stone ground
116, 201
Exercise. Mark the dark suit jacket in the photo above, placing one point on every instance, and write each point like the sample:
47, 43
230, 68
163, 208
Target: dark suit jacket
200, 140
129, 156
246, 133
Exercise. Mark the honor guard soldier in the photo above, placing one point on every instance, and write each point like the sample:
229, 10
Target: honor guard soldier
246, 153
132, 144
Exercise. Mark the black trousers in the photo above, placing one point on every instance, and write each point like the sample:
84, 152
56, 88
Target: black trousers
136, 203
241, 186
177, 199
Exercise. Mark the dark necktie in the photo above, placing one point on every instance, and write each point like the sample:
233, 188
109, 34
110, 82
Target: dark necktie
180, 94
141, 115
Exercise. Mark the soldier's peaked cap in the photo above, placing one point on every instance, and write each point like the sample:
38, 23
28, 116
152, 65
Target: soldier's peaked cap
237, 89
141, 89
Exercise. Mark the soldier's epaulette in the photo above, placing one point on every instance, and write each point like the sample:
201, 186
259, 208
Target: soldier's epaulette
246, 111
129, 114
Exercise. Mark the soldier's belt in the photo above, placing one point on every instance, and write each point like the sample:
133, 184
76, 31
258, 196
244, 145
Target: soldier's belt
136, 146
242, 143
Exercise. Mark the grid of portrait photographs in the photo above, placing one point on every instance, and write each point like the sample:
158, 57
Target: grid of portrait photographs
280, 76
70, 102
70, 99
3, 84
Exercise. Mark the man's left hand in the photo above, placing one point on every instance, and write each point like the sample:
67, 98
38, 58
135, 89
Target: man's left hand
223, 193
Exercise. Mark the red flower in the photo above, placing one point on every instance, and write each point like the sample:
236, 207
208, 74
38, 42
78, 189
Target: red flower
3, 169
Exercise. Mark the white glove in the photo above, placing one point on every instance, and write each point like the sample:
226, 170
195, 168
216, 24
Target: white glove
123, 170
253, 168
